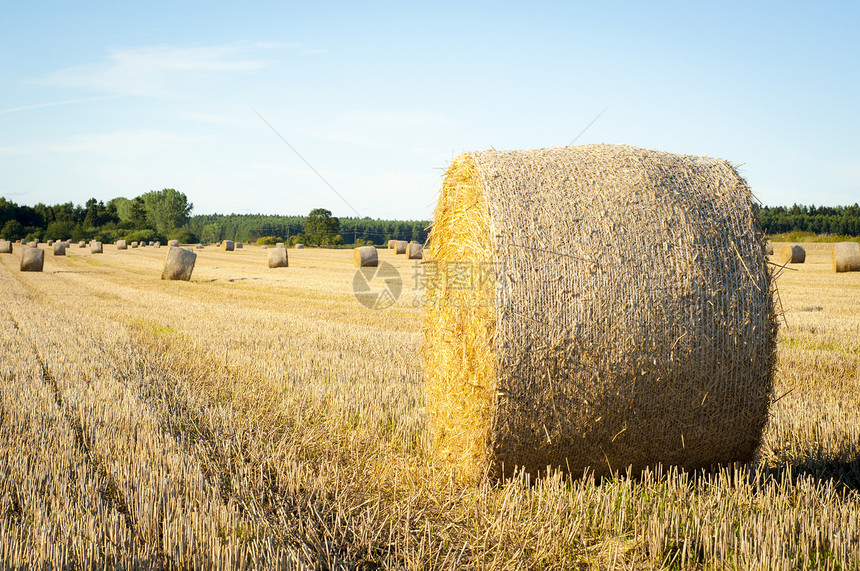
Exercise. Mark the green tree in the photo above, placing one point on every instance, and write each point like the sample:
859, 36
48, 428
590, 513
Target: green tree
166, 210
123, 207
12, 230
321, 227
211, 233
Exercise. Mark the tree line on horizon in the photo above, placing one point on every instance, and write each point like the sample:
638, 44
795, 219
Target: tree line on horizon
166, 215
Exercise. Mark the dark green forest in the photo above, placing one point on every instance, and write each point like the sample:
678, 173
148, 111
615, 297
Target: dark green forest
166, 215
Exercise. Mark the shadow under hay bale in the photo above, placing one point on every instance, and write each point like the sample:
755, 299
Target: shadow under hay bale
278, 258
96, 247
59, 248
178, 264
791, 254
414, 251
5, 246
642, 333
400, 246
121, 245
365, 257
845, 257
227, 245
32, 259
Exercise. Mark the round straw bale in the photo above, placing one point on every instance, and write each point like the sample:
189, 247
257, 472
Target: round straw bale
414, 251
134, 244
156, 244
50, 242
5, 246
791, 254
32, 244
121, 245
400, 246
227, 245
365, 257
768, 247
95, 247
596, 307
32, 259
199, 246
278, 258
279, 245
59, 248
173, 242
239, 245
391, 244
846, 257
178, 264
82, 244
300, 246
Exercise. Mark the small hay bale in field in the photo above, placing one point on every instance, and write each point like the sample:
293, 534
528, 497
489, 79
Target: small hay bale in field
59, 248
239, 245
400, 246
300, 246
32, 259
82, 244
768, 248
278, 258
50, 242
121, 245
178, 264
95, 247
5, 246
33, 244
199, 246
279, 245
365, 257
134, 244
414, 251
156, 244
391, 244
596, 307
791, 254
846, 257
174, 243
227, 245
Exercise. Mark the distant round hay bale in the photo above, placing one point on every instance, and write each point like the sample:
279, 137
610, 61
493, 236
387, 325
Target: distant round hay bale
300, 246
791, 254
59, 248
50, 242
239, 245
33, 244
37, 241
596, 307
199, 246
769, 248
174, 243
134, 244
121, 245
279, 245
846, 257
414, 251
156, 244
227, 245
5, 246
391, 244
178, 264
365, 257
400, 246
278, 258
95, 247
32, 259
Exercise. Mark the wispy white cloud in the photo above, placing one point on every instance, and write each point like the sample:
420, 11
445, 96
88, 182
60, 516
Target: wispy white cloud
132, 144
54, 103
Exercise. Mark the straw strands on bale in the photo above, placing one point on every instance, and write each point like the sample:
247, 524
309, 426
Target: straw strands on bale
400, 246
846, 257
173, 242
178, 264
365, 257
5, 246
59, 248
278, 258
414, 251
32, 259
227, 245
596, 307
121, 245
791, 254
95, 247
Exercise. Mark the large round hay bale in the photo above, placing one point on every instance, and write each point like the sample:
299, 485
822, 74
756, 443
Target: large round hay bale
32, 259
400, 246
173, 243
596, 307
300, 246
791, 254
365, 257
278, 258
414, 251
5, 246
391, 244
227, 245
121, 245
846, 257
95, 247
59, 248
178, 264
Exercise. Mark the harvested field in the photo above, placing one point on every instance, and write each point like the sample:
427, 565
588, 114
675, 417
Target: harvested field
183, 441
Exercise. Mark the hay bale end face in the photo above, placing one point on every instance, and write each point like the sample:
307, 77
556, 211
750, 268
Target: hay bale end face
528, 348
82, 244
365, 257
59, 248
414, 251
791, 254
5, 246
173, 243
846, 257
178, 264
156, 244
227, 245
300, 246
50, 242
278, 258
121, 245
32, 244
239, 245
96, 247
32, 259
134, 244
391, 244
400, 246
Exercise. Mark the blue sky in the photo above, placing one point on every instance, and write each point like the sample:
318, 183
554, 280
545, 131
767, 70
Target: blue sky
104, 99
